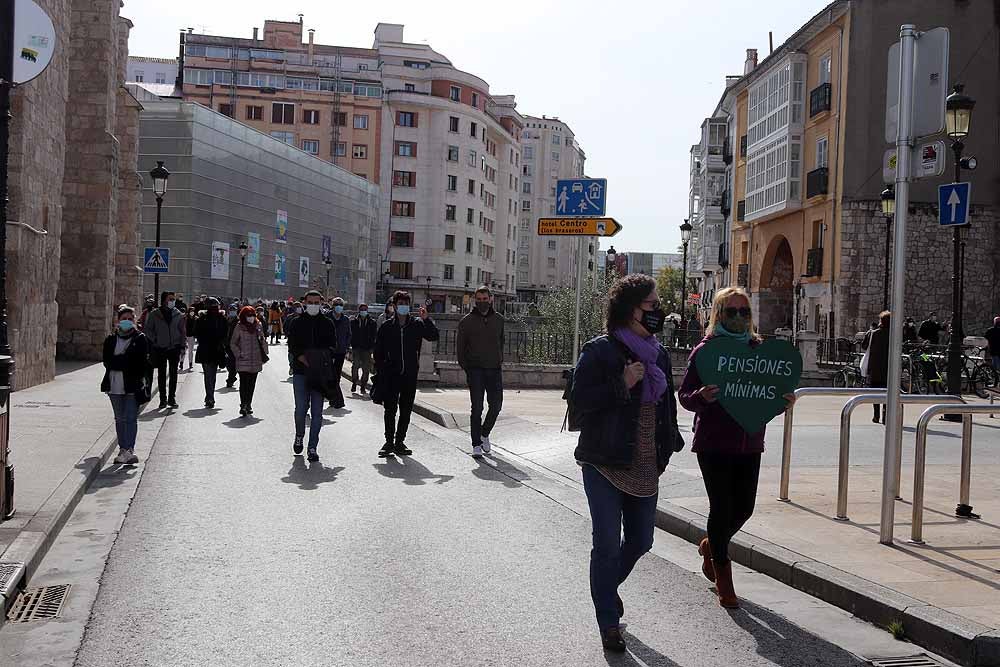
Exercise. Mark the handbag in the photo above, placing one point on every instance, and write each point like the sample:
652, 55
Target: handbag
144, 394
376, 394
863, 366
263, 350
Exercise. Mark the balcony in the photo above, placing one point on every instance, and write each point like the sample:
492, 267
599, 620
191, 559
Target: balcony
726, 205
743, 275
816, 182
727, 151
741, 210
814, 263
819, 99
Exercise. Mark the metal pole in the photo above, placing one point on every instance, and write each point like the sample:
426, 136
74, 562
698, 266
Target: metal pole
684, 293
904, 146
786, 453
955, 344
6, 356
156, 276
579, 280
888, 263
243, 268
964, 508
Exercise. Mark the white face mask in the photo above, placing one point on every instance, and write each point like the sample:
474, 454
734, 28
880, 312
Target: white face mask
250, 320
312, 308
170, 303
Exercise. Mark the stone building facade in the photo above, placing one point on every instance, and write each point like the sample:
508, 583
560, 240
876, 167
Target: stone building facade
70, 230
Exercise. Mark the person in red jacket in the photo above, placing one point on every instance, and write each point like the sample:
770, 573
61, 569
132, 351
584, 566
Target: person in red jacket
728, 456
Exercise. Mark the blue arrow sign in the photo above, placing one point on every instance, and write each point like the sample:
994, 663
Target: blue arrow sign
156, 260
953, 203
581, 196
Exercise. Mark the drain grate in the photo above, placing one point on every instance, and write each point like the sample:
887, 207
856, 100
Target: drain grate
921, 660
39, 603
7, 572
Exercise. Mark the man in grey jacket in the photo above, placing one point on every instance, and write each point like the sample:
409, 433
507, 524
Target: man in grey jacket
480, 354
165, 331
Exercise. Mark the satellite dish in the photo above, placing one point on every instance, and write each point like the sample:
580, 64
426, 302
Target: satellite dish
34, 40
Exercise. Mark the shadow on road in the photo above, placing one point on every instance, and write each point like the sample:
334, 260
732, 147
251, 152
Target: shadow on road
114, 475
638, 654
779, 641
242, 422
500, 472
309, 477
410, 471
199, 413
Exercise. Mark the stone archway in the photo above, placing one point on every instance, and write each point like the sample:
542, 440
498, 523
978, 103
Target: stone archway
776, 295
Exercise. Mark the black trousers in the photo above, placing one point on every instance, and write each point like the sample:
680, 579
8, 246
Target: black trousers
248, 382
400, 390
731, 483
167, 362
338, 395
482, 382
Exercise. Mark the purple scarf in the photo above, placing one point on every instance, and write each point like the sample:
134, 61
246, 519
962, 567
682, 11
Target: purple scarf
646, 350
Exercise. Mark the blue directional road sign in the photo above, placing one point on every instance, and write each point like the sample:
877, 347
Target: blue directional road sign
953, 203
581, 196
156, 260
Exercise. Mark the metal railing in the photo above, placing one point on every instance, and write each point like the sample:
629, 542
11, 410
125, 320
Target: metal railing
920, 461
872, 398
835, 351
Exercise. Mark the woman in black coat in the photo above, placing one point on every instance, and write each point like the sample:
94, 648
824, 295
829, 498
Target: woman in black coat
212, 333
878, 361
125, 358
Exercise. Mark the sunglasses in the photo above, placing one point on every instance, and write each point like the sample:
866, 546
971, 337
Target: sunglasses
733, 312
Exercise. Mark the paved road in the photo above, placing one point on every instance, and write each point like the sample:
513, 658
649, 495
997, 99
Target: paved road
236, 553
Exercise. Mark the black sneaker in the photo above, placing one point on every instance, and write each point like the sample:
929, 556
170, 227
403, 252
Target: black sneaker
173, 403
312, 456
354, 388
613, 640
297, 445
386, 451
243, 411
402, 450
163, 404
249, 410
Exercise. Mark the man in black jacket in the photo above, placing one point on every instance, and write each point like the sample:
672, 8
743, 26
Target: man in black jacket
343, 328
480, 354
311, 337
363, 331
211, 331
397, 363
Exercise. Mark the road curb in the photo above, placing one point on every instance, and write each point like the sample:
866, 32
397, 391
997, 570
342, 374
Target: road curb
31, 544
425, 410
935, 629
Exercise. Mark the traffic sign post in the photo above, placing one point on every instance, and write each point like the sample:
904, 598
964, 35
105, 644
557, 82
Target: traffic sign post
156, 260
581, 196
953, 204
578, 227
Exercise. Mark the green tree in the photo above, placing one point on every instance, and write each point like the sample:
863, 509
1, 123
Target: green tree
553, 341
669, 285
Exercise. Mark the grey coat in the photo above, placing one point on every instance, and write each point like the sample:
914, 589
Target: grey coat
164, 334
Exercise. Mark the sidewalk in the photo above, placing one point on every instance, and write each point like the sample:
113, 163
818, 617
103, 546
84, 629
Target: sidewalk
945, 591
61, 435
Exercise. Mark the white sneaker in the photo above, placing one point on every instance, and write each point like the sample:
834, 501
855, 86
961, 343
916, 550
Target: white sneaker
122, 456
477, 452
486, 444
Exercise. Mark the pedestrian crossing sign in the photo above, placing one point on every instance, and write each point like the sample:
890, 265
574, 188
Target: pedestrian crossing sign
156, 260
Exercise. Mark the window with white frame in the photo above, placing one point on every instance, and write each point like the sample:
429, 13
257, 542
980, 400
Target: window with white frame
455, 93
452, 153
310, 146
821, 154
825, 67
340, 149
360, 121
140, 76
287, 137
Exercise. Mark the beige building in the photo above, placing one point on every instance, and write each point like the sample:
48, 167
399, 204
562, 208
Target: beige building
549, 152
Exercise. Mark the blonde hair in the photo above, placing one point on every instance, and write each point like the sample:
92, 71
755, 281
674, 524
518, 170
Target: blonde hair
719, 305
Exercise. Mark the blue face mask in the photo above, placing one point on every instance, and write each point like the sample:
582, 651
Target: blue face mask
126, 325
363, 313
403, 309
338, 309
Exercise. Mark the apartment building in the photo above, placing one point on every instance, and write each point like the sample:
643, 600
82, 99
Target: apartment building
324, 100
550, 152
161, 71
807, 233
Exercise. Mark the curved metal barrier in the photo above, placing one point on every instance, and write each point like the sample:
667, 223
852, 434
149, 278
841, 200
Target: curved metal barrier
872, 398
786, 444
920, 460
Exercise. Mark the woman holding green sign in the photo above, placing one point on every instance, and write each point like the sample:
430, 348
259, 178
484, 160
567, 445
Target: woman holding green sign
623, 396
728, 455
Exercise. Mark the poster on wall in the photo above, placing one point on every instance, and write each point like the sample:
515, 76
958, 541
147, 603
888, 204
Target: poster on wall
253, 250
303, 272
327, 249
279, 267
220, 260
281, 227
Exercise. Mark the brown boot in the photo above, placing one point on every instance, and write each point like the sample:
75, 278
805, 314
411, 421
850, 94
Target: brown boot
705, 551
724, 585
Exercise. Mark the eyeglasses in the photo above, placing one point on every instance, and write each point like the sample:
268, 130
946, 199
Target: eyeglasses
742, 312
653, 302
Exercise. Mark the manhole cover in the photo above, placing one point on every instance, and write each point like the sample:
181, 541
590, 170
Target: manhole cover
921, 660
38, 603
7, 572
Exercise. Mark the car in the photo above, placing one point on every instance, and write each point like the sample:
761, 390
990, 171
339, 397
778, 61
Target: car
577, 187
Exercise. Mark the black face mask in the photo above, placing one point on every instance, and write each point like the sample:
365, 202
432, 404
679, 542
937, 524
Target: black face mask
652, 320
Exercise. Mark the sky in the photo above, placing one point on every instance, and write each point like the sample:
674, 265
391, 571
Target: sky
633, 79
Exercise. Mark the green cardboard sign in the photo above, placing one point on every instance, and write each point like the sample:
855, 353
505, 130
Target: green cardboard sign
751, 380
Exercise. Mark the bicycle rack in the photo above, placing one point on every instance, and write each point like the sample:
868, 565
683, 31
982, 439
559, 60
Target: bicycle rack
920, 460
786, 444
843, 467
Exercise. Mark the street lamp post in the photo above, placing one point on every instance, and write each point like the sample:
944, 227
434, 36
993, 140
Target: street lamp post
328, 262
685, 239
6, 356
958, 118
888, 210
159, 174
243, 265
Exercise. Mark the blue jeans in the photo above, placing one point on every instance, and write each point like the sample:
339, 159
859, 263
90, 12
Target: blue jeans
126, 419
488, 381
612, 558
311, 400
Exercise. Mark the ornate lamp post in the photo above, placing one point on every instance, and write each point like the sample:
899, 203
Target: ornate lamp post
159, 174
243, 265
888, 210
685, 239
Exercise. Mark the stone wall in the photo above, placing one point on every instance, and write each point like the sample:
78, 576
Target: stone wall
128, 272
928, 283
35, 174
